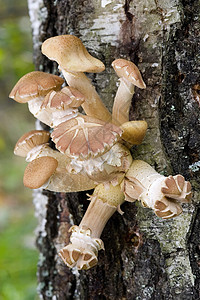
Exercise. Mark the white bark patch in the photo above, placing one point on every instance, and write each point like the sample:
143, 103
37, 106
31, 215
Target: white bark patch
154, 15
106, 25
40, 201
104, 3
38, 13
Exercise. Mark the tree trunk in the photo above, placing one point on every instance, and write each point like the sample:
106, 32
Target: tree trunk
145, 257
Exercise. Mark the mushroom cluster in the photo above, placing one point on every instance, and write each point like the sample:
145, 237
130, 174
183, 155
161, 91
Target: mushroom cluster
92, 148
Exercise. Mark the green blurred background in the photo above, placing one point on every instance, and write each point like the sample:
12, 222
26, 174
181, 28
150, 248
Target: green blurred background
18, 255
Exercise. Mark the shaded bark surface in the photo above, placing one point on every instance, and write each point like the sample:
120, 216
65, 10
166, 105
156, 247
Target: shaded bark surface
145, 257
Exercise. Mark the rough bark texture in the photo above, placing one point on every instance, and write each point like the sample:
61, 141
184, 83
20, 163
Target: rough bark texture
145, 257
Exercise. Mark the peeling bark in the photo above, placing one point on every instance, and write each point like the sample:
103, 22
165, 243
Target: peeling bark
145, 257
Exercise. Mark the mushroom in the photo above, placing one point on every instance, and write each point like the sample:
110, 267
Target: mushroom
73, 59
134, 132
34, 139
91, 152
32, 88
38, 172
141, 182
162, 194
34, 146
61, 106
84, 136
85, 241
129, 77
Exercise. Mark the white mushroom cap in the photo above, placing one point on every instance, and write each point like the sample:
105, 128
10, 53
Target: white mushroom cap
71, 55
128, 70
35, 84
85, 137
30, 140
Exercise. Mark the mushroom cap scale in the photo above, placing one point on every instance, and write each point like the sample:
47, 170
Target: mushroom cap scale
85, 137
68, 97
128, 70
30, 140
39, 171
35, 84
71, 55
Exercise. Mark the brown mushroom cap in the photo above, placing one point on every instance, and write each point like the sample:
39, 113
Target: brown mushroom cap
71, 55
128, 70
85, 137
134, 131
68, 97
39, 171
35, 84
30, 140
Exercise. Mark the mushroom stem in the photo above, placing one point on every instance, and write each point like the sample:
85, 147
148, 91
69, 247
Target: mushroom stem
93, 106
85, 239
96, 216
122, 102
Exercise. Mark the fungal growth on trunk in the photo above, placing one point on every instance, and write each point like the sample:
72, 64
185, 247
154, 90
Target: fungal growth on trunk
73, 60
32, 88
92, 147
129, 78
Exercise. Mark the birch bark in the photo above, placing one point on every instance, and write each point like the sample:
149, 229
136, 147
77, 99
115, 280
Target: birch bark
145, 257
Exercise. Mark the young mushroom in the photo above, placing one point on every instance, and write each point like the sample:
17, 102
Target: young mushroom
85, 241
47, 167
129, 77
31, 142
73, 60
162, 194
32, 88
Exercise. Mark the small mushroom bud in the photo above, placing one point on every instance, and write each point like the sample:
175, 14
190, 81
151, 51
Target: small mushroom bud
162, 194
134, 132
